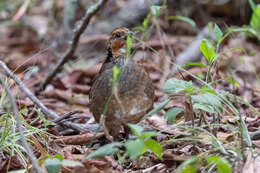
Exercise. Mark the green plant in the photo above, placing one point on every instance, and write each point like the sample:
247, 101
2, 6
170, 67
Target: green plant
211, 162
134, 148
142, 143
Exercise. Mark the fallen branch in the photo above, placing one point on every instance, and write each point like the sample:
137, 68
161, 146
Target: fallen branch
45, 110
86, 19
19, 126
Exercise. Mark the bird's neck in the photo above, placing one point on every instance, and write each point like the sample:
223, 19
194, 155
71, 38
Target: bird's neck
113, 58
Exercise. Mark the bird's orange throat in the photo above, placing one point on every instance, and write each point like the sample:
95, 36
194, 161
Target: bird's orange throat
118, 48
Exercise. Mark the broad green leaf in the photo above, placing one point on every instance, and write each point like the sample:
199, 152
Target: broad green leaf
208, 50
207, 99
134, 148
155, 147
255, 19
230, 80
147, 135
204, 107
218, 32
158, 108
58, 156
52, 165
194, 64
105, 150
172, 113
190, 169
184, 19
205, 89
137, 130
222, 164
174, 85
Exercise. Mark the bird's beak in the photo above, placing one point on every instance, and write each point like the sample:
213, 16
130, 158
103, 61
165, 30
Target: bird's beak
129, 33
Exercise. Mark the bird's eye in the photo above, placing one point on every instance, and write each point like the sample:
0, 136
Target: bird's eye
118, 34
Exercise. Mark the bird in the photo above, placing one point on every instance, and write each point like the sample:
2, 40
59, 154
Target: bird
129, 98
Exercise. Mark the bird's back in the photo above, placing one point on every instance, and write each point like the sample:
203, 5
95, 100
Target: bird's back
132, 97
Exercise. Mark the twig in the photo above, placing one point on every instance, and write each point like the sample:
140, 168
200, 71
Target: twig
86, 19
34, 99
19, 126
65, 116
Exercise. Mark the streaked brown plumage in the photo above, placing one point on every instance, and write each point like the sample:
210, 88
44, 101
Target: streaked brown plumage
134, 92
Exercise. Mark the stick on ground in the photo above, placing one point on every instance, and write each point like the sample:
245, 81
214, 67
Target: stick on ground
19, 126
34, 99
70, 52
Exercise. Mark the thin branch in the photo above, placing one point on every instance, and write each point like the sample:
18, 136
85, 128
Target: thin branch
19, 126
70, 52
33, 98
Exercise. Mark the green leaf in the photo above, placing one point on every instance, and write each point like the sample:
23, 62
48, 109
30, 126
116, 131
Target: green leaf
137, 130
39, 113
208, 50
5, 132
156, 10
190, 169
3, 95
129, 43
218, 32
174, 85
222, 164
52, 165
207, 99
116, 71
183, 19
252, 5
187, 163
245, 133
210, 26
172, 113
255, 19
206, 89
204, 107
158, 108
146, 21
147, 135
217, 144
134, 148
230, 80
58, 156
194, 64
155, 147
105, 150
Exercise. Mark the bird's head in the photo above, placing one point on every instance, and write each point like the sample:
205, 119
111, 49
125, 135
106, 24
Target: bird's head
117, 42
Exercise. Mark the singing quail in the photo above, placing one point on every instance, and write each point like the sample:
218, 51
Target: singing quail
133, 95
